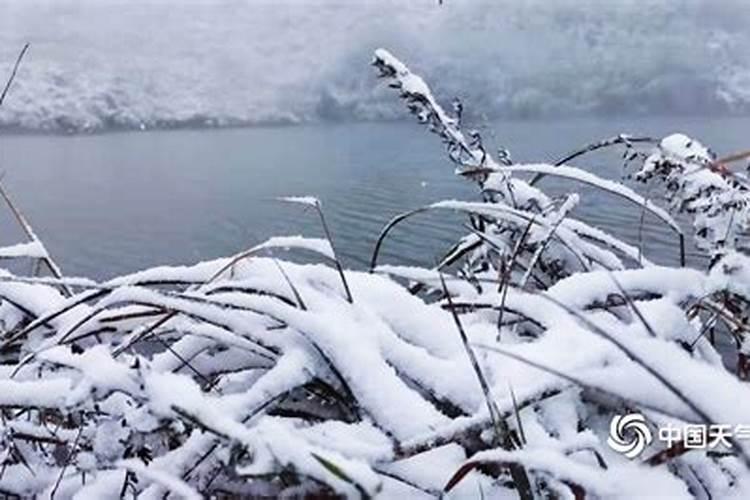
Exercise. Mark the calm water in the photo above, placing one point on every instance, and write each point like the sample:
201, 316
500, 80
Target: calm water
113, 203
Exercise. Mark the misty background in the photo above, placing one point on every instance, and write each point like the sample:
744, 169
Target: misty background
99, 65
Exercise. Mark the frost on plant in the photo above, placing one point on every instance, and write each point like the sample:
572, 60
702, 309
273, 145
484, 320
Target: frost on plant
697, 183
496, 372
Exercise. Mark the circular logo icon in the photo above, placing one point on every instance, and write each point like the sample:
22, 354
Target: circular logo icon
629, 434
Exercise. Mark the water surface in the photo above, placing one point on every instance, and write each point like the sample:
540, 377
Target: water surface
117, 202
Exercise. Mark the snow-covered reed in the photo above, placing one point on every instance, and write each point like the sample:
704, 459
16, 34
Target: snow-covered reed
495, 373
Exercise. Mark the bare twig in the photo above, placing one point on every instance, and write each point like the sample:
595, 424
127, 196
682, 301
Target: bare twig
336, 260
518, 473
29, 231
618, 139
13, 72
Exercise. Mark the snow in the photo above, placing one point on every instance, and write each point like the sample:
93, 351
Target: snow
46, 394
199, 272
400, 355
583, 176
682, 146
582, 290
195, 381
717, 199
174, 485
302, 200
414, 87
317, 245
588, 232
289, 64
625, 481
731, 273
33, 249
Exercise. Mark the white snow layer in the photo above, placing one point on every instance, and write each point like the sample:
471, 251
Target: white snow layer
227, 63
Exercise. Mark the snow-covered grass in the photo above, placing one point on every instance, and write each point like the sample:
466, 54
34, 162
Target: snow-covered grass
496, 373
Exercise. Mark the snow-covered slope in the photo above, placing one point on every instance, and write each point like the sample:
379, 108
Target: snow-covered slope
165, 63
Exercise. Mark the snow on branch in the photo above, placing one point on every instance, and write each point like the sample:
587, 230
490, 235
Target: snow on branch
695, 183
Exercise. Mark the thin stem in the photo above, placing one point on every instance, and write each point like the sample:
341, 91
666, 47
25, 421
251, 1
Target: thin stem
13, 73
336, 260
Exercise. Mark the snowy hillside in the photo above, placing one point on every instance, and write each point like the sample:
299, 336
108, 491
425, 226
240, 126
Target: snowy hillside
166, 63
